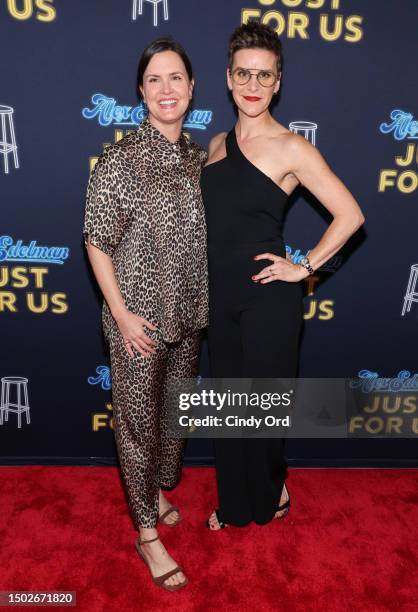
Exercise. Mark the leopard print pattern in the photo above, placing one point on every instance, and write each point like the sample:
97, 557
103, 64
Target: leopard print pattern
149, 457
144, 210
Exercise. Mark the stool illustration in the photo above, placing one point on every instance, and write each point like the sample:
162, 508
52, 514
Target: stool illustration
8, 139
307, 127
20, 384
138, 5
411, 294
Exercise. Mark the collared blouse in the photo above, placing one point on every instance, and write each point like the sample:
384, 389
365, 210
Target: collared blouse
144, 209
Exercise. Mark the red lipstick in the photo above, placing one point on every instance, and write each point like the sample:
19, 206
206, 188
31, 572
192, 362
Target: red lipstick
252, 98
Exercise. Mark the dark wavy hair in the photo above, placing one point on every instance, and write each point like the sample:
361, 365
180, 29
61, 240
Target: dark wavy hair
158, 46
255, 35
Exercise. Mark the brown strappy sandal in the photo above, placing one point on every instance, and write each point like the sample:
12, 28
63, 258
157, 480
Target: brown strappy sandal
159, 580
166, 513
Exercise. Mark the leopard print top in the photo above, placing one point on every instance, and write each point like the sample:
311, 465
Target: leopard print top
144, 209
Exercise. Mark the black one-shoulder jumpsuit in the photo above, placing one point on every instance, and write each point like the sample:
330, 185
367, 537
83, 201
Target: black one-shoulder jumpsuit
253, 328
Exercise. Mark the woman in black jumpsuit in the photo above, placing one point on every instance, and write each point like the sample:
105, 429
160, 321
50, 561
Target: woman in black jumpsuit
254, 324
253, 329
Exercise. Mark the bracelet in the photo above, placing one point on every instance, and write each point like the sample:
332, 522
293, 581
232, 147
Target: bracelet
305, 263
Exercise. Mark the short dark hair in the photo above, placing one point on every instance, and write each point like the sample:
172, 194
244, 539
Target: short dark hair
158, 46
255, 35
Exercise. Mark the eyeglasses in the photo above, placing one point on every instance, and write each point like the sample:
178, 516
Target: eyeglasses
266, 78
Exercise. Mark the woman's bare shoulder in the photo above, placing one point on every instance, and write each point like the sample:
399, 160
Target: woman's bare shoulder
216, 149
289, 142
217, 141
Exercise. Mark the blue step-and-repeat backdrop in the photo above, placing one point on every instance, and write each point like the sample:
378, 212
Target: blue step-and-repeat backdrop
67, 89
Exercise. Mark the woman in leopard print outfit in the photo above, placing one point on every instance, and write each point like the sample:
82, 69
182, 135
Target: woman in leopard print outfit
146, 239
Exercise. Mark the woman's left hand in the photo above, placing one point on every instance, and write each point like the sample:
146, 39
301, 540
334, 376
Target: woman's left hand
280, 269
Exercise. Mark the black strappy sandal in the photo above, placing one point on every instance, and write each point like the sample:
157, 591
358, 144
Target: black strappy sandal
222, 525
285, 506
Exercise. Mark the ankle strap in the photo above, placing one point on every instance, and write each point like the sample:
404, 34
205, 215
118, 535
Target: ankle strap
140, 542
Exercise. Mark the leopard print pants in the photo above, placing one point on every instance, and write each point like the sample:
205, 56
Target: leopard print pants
148, 457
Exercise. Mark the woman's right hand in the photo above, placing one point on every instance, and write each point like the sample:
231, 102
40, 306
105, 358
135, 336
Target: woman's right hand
132, 328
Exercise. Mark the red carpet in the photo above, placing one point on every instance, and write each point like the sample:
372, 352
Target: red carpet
348, 543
